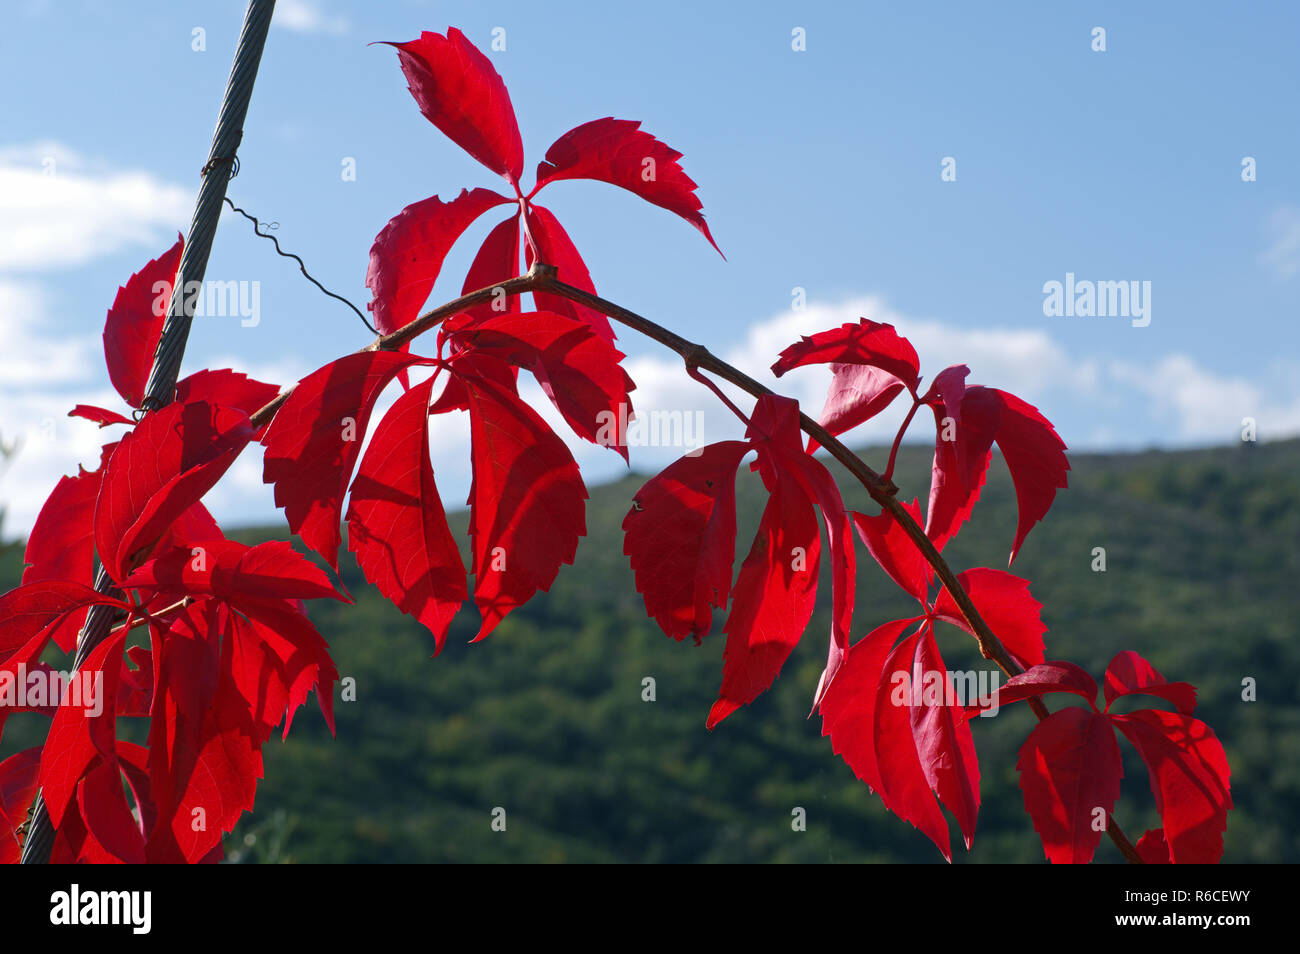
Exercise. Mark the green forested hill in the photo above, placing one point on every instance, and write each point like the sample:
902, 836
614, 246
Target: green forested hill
545, 718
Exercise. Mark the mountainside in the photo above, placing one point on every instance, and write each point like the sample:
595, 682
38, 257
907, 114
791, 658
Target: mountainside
545, 719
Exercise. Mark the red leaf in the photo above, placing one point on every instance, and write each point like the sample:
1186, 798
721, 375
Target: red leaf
112, 835
1189, 778
228, 388
579, 371
870, 363
396, 523
229, 569
101, 416
497, 261
459, 91
1070, 767
527, 500
848, 709
943, 740
408, 253
774, 430
28, 614
18, 784
1048, 677
135, 322
1129, 673
1153, 848
773, 598
680, 536
905, 789
79, 733
619, 152
61, 545
315, 437
870, 343
171, 459
1035, 456
1004, 601
962, 452
894, 550
204, 757
556, 248
276, 657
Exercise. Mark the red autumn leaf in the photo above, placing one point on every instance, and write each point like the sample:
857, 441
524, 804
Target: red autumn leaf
905, 789
848, 708
773, 598
313, 442
1034, 454
844, 564
79, 733
868, 343
497, 261
1070, 770
135, 322
1128, 673
680, 536
1005, 603
459, 91
894, 550
1047, 677
527, 501
396, 523
228, 569
101, 416
943, 738
408, 253
171, 459
18, 782
276, 656
228, 388
774, 428
619, 152
204, 758
1152, 847
556, 248
870, 362
1189, 778
112, 834
579, 371
61, 544
963, 450
29, 614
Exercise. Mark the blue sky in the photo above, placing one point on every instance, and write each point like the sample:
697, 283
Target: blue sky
819, 169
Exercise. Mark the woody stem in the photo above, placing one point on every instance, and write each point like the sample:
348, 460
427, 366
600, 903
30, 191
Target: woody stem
697, 357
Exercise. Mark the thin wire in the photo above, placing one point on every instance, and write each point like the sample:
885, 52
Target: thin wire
257, 229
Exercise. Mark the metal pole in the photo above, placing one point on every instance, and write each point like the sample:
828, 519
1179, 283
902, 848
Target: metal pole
180, 313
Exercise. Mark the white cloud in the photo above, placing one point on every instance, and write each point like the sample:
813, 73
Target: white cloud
307, 16
1095, 402
1193, 403
62, 210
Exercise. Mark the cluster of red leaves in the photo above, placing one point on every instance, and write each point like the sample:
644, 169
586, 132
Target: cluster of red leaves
526, 504
230, 653
888, 702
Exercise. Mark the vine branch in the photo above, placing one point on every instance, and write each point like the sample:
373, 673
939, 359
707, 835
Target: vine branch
696, 357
